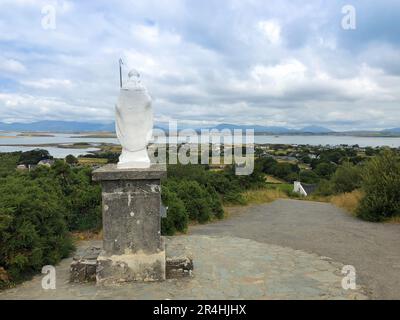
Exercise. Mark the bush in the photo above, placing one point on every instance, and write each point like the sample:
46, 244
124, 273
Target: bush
268, 164
285, 170
195, 197
226, 184
81, 197
325, 188
34, 156
245, 182
381, 186
325, 170
8, 162
346, 178
201, 202
84, 207
308, 176
33, 232
215, 203
234, 198
189, 172
70, 159
177, 216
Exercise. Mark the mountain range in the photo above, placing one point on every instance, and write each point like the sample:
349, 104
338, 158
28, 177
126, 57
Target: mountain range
273, 129
72, 126
57, 126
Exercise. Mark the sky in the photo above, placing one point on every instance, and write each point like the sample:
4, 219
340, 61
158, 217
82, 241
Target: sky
276, 63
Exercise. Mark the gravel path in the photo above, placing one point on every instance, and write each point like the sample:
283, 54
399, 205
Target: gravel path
372, 248
224, 268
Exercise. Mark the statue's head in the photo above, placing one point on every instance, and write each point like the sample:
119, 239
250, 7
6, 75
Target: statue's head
133, 81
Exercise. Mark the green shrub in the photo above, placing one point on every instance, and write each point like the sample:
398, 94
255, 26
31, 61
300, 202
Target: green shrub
346, 178
83, 202
234, 198
381, 186
193, 172
215, 203
195, 198
325, 169
308, 176
285, 170
202, 203
33, 232
223, 186
325, 188
268, 164
177, 216
71, 159
34, 156
81, 197
8, 162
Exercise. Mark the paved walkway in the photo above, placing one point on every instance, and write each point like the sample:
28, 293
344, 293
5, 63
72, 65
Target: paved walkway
225, 267
320, 228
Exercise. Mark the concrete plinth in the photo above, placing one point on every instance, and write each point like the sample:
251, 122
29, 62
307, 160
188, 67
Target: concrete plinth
133, 249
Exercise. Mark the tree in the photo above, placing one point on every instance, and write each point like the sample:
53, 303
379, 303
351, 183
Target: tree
285, 170
381, 186
346, 178
70, 159
308, 176
34, 156
325, 188
325, 170
268, 164
306, 159
370, 151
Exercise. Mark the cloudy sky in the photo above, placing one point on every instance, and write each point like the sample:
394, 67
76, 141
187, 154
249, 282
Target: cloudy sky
281, 62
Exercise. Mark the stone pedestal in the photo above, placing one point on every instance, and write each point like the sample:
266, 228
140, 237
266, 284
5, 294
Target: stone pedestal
133, 249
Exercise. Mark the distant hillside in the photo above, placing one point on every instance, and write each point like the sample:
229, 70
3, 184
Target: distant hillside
315, 129
393, 130
57, 126
72, 126
256, 128
274, 129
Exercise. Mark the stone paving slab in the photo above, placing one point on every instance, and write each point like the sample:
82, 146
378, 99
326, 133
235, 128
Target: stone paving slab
224, 268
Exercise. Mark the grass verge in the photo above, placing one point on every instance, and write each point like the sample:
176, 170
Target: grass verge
259, 196
348, 201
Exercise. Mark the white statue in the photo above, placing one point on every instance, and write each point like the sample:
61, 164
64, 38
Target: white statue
134, 123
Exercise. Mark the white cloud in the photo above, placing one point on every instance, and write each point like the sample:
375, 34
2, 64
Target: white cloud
271, 30
11, 65
203, 62
47, 83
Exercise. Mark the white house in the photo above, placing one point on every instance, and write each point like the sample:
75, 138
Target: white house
303, 189
46, 162
21, 167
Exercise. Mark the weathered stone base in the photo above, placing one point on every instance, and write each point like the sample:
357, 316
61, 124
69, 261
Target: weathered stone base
83, 267
130, 267
179, 267
92, 265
